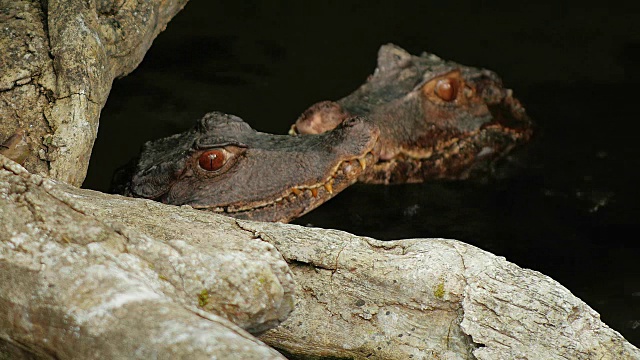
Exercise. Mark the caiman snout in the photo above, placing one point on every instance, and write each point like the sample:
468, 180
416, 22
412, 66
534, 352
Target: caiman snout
355, 135
319, 118
506, 110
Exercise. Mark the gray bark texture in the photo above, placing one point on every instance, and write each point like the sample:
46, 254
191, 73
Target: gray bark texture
58, 59
74, 285
85, 273
427, 299
89, 275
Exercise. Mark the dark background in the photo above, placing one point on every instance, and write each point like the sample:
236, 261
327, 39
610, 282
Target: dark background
569, 209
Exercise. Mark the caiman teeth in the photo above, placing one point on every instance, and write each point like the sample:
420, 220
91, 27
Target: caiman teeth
344, 169
329, 186
363, 163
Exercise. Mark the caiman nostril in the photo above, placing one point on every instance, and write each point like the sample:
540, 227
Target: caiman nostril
509, 113
390, 130
432, 117
351, 122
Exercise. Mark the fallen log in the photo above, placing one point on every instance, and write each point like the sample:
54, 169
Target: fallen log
75, 286
82, 270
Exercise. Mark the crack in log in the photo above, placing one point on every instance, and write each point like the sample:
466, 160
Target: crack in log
376, 245
465, 297
220, 320
256, 235
337, 261
81, 94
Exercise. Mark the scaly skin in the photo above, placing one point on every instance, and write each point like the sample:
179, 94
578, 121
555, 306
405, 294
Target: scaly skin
223, 165
416, 118
437, 119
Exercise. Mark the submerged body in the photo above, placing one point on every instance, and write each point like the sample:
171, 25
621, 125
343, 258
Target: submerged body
225, 166
416, 118
437, 118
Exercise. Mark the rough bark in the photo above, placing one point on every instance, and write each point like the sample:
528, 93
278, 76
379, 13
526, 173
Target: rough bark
58, 60
84, 271
89, 275
77, 286
427, 298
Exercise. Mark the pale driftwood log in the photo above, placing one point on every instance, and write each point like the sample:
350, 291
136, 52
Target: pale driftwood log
76, 286
58, 59
120, 267
427, 298
88, 275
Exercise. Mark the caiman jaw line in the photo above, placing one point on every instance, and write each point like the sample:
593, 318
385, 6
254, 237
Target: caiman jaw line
453, 146
357, 164
443, 150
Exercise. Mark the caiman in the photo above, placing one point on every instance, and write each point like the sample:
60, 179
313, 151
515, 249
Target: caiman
437, 119
416, 118
225, 166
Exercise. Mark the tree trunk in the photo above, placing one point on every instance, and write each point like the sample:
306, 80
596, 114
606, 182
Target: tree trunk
58, 60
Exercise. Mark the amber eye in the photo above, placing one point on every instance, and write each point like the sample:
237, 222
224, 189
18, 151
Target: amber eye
446, 89
212, 160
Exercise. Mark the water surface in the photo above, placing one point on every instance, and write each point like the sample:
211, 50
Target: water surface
569, 207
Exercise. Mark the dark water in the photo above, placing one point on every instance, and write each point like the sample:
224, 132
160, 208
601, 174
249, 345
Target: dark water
570, 206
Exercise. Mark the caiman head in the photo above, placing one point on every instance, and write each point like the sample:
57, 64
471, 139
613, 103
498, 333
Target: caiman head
437, 119
223, 165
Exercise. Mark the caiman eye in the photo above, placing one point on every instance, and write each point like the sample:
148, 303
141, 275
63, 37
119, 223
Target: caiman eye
446, 89
212, 160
